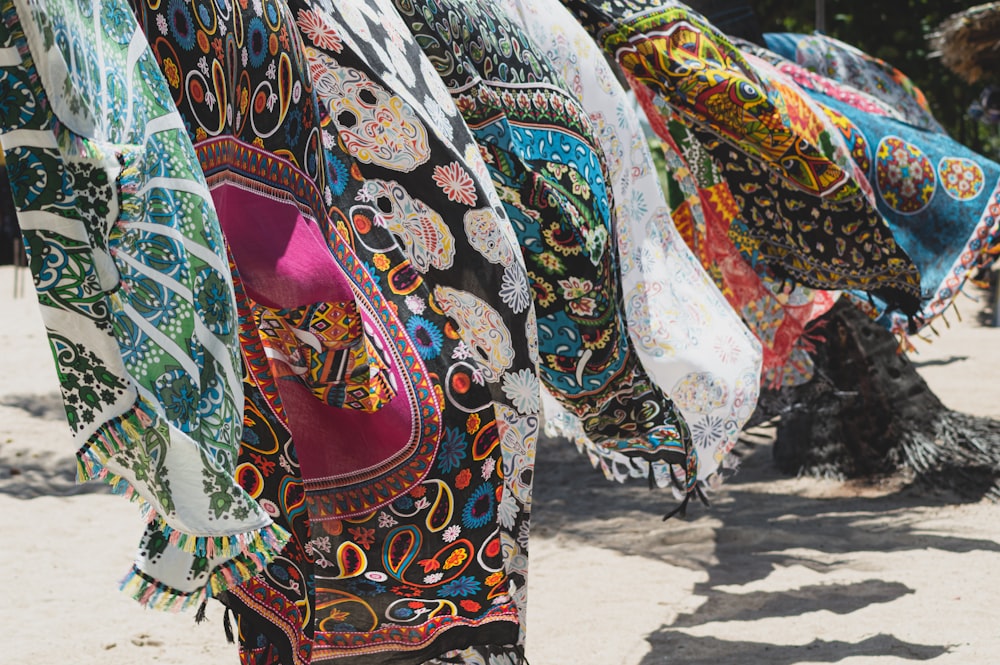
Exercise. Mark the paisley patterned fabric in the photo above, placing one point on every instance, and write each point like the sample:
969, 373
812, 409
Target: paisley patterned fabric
686, 335
810, 80
387, 329
833, 59
543, 157
810, 221
135, 292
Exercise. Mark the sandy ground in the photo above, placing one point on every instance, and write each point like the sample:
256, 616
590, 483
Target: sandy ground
779, 571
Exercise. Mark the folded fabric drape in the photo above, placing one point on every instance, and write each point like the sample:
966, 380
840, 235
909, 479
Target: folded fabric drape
941, 200
809, 220
707, 214
833, 59
541, 152
688, 338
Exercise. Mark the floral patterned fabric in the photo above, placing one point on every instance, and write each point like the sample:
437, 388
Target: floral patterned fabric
386, 326
128, 261
686, 335
809, 220
542, 154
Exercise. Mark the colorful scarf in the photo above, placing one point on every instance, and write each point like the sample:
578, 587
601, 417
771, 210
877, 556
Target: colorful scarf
706, 213
540, 148
134, 288
941, 200
833, 59
685, 333
806, 218
387, 330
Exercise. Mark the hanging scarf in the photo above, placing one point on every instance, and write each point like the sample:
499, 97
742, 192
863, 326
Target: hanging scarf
809, 220
706, 212
544, 160
128, 261
941, 200
416, 481
685, 333
833, 59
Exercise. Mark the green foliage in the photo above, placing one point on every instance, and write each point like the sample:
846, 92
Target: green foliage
895, 31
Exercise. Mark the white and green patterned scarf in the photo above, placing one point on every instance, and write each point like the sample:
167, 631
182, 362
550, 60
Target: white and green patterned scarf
134, 286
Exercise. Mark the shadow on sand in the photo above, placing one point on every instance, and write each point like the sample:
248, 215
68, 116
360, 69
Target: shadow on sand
47, 407
676, 647
747, 533
27, 473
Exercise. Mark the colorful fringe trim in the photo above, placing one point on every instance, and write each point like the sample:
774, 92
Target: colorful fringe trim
256, 550
109, 440
247, 553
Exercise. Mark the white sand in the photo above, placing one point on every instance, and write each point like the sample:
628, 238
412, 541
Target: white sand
779, 571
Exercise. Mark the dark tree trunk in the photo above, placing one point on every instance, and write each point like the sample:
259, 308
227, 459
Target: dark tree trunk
869, 413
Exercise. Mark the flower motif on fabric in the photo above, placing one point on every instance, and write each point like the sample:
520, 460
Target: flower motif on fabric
456, 183
213, 301
438, 118
961, 178
386, 521
460, 587
706, 432
453, 450
463, 479
426, 336
522, 389
479, 509
577, 293
904, 174
415, 304
488, 466
514, 289
456, 558
362, 536
179, 396
316, 27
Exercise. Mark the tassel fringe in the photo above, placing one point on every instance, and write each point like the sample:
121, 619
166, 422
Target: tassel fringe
251, 553
109, 440
242, 544
247, 553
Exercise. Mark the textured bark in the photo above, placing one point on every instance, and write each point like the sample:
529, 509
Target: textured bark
869, 413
